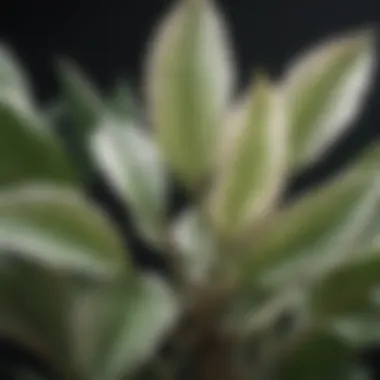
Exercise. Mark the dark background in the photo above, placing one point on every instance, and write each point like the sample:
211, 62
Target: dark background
108, 38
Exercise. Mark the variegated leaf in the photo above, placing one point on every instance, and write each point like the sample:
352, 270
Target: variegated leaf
325, 89
252, 160
189, 84
129, 159
59, 228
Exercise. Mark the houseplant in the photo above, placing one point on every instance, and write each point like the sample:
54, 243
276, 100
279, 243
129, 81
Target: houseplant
256, 287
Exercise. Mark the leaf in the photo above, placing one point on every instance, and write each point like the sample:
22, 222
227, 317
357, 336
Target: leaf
358, 278
358, 330
319, 356
85, 104
325, 89
58, 228
252, 160
124, 326
369, 159
320, 227
84, 110
122, 102
189, 84
29, 152
195, 243
132, 164
34, 304
28, 149
14, 86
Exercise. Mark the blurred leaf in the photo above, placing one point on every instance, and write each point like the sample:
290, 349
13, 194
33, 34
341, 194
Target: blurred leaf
196, 243
326, 88
34, 304
358, 277
252, 160
189, 82
14, 86
130, 161
84, 109
29, 151
122, 102
59, 228
122, 327
358, 330
85, 104
324, 224
369, 159
319, 356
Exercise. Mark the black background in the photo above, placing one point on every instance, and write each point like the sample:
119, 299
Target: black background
108, 39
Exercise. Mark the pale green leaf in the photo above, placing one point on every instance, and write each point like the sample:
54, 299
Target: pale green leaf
14, 86
130, 161
59, 228
325, 89
122, 102
322, 227
253, 160
358, 330
195, 242
189, 83
123, 326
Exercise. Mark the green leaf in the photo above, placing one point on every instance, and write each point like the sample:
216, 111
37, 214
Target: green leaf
195, 243
14, 86
132, 164
123, 326
122, 102
29, 151
60, 229
81, 97
369, 159
358, 330
319, 356
34, 305
320, 227
253, 160
358, 278
189, 84
84, 109
325, 89
28, 148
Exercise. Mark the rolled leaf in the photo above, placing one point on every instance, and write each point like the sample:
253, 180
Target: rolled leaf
253, 160
58, 228
189, 83
130, 161
122, 326
325, 89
